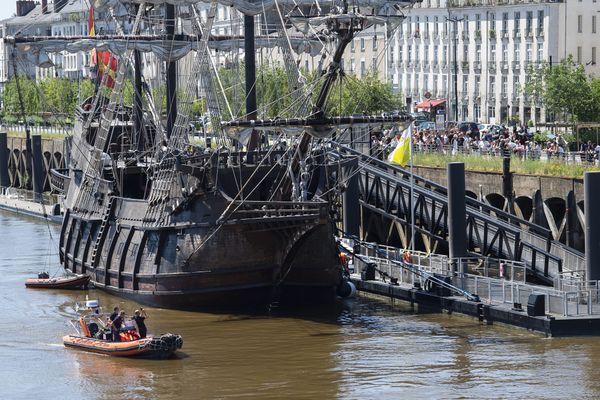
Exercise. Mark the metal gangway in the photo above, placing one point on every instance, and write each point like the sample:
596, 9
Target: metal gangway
385, 194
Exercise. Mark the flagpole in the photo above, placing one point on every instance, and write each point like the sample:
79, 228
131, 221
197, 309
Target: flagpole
412, 187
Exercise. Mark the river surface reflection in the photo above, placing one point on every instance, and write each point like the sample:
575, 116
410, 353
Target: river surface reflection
360, 349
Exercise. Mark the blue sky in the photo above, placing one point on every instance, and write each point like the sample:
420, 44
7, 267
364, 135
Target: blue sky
7, 9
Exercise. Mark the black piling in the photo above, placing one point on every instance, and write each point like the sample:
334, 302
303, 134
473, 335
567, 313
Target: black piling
38, 165
571, 216
507, 182
457, 213
350, 200
4, 178
591, 186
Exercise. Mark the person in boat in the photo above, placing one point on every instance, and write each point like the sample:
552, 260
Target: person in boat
116, 326
114, 331
139, 316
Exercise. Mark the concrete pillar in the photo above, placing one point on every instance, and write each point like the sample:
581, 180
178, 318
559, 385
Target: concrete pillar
4, 178
351, 205
67, 144
591, 187
457, 213
38, 164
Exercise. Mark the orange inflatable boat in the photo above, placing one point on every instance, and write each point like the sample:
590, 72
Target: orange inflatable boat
152, 347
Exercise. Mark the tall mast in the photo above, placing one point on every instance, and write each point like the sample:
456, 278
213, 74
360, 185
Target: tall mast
171, 72
138, 115
250, 70
28, 156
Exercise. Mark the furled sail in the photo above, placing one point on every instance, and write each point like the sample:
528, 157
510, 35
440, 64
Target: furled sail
165, 50
250, 7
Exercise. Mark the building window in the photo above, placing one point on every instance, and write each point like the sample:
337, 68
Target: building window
540, 52
492, 52
477, 112
517, 20
593, 56
504, 52
478, 53
478, 22
352, 46
465, 52
362, 44
492, 89
593, 24
426, 82
445, 54
363, 68
540, 19
528, 53
408, 83
436, 28
517, 52
579, 23
465, 84
434, 87
435, 53
352, 65
579, 55
491, 112
505, 22
516, 85
504, 86
400, 51
426, 53
374, 65
529, 21
375, 42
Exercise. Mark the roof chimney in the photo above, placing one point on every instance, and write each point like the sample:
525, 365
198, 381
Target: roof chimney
44, 6
24, 6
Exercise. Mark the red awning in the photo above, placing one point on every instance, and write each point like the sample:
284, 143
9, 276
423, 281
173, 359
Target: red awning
428, 104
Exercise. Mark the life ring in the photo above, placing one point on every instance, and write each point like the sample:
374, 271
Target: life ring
406, 256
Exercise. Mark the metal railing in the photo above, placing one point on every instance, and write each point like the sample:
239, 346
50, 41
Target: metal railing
524, 153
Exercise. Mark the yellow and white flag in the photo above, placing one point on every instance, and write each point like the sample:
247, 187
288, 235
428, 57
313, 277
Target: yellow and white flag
401, 154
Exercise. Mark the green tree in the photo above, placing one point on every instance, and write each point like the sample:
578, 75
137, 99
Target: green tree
566, 90
31, 100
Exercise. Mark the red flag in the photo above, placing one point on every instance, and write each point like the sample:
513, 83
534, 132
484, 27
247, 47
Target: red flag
102, 58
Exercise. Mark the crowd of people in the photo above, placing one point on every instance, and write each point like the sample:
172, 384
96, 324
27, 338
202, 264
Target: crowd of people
499, 141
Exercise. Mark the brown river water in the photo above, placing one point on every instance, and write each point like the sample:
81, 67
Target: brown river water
358, 349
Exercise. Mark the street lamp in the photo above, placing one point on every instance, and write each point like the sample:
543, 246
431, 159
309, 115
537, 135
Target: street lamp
454, 20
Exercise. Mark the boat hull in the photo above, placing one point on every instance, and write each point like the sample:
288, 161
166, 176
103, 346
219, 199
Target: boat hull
242, 265
154, 347
75, 282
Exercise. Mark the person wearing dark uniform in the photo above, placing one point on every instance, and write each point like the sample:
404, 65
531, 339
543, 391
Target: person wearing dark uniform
113, 316
139, 317
116, 326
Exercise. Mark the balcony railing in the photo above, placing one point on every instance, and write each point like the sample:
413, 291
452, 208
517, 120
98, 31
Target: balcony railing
477, 65
539, 32
516, 34
516, 65
492, 65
